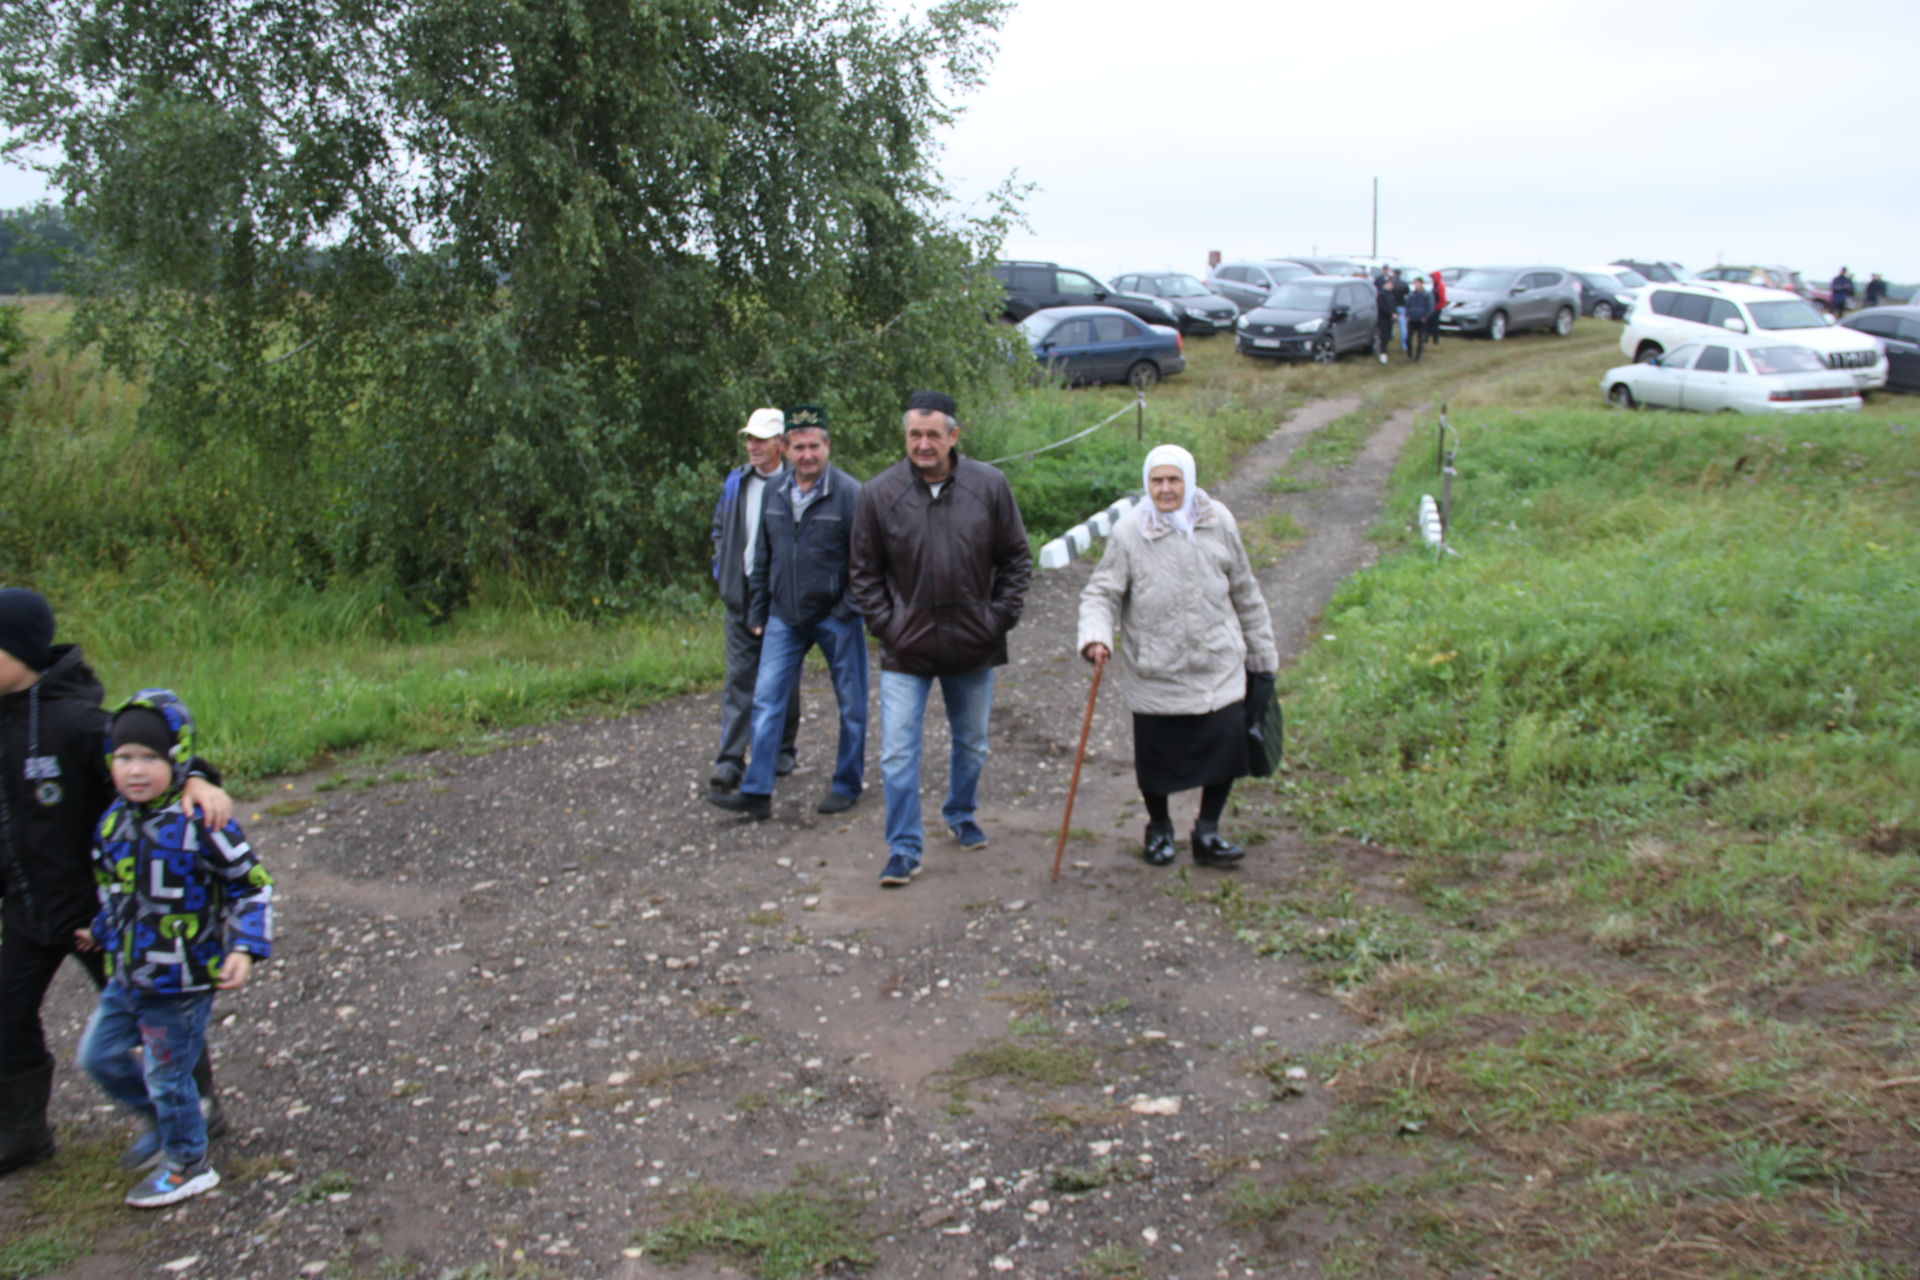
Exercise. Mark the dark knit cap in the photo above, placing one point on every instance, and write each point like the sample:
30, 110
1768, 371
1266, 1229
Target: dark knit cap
933, 402
26, 626
143, 726
806, 417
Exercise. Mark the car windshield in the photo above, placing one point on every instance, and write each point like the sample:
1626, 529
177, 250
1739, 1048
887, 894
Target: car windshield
1181, 287
1791, 313
1784, 360
1301, 297
1630, 278
1480, 278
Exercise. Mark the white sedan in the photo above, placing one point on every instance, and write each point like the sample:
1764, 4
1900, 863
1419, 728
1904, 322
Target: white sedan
1709, 377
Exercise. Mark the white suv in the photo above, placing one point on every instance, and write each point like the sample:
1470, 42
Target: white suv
1672, 315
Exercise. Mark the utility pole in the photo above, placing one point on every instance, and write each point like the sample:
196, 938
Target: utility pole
1376, 218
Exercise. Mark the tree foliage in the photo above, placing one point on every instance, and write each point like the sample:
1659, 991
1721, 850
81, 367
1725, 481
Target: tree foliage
33, 244
459, 288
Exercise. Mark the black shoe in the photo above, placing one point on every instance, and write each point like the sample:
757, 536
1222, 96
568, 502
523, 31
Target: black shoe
24, 1136
1210, 848
726, 775
836, 802
1160, 848
786, 764
744, 803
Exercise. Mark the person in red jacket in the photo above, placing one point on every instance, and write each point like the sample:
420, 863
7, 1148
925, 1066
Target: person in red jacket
1439, 305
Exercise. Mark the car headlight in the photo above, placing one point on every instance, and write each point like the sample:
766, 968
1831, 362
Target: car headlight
1240, 323
1309, 326
1198, 313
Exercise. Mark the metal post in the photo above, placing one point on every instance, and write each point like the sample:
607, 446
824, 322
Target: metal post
1139, 417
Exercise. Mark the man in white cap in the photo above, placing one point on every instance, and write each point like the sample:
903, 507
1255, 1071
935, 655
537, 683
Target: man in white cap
736, 531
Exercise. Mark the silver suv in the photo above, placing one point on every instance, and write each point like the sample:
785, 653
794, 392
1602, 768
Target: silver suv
1496, 301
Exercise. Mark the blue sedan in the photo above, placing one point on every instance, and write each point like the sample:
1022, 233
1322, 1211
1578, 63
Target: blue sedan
1103, 344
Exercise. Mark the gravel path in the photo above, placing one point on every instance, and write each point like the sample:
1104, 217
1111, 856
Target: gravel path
524, 997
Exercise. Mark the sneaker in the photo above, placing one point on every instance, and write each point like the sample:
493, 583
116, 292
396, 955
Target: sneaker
143, 1152
744, 802
900, 869
969, 834
170, 1184
1383, 357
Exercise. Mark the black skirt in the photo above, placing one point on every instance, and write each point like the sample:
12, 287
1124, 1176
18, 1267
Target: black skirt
1179, 753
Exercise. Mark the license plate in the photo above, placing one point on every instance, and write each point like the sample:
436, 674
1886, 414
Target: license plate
1266, 342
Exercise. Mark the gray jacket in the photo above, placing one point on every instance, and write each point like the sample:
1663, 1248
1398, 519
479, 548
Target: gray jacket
1191, 618
800, 566
730, 536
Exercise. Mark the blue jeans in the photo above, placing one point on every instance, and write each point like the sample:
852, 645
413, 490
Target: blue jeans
903, 716
172, 1030
844, 644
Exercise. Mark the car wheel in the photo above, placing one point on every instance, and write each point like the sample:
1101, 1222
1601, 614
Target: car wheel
1603, 311
1647, 351
1324, 352
1563, 321
1144, 374
1620, 396
1497, 327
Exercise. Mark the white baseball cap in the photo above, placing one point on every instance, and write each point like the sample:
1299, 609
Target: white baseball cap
765, 424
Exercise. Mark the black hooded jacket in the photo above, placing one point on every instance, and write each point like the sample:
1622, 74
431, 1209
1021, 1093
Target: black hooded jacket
53, 771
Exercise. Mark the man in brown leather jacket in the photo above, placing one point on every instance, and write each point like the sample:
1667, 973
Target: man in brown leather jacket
939, 570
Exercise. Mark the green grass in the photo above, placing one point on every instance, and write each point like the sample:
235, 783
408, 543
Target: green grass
779, 1235
1642, 767
61, 1207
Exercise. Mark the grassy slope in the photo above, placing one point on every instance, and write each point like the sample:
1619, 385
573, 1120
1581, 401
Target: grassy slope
1643, 763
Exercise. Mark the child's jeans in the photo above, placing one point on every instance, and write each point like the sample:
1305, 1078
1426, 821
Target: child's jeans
171, 1030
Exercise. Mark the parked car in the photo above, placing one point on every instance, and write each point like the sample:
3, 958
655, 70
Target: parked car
1714, 375
1196, 309
1607, 292
1766, 277
1103, 344
1032, 286
1656, 272
1671, 316
1310, 317
1898, 331
1496, 301
1248, 283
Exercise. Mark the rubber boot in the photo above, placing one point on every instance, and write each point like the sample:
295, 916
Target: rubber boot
25, 1137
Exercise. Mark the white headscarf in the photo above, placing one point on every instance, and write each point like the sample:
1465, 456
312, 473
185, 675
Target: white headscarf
1170, 455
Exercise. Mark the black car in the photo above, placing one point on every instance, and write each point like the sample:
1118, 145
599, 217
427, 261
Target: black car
1197, 310
1898, 329
1603, 297
1311, 317
1033, 286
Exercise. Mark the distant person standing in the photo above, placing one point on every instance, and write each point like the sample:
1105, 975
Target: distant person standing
1439, 305
736, 531
1386, 312
940, 569
1419, 307
1876, 291
1841, 288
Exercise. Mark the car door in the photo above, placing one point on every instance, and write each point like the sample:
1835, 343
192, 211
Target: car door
1068, 350
1903, 354
1078, 289
1117, 342
1230, 283
1707, 386
1660, 385
1356, 331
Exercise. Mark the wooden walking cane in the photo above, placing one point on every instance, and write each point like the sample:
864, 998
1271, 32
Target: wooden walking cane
1086, 727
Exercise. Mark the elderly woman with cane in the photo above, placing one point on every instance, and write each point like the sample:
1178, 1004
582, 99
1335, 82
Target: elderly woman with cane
1197, 645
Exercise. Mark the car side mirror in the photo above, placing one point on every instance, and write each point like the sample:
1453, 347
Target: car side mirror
1341, 313
1734, 323
1517, 290
1098, 296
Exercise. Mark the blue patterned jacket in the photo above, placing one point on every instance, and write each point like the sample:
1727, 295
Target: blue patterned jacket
174, 897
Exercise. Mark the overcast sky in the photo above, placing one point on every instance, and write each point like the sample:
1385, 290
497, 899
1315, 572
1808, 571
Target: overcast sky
1502, 131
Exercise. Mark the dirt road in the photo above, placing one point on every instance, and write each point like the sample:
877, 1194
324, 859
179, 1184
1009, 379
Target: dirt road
523, 998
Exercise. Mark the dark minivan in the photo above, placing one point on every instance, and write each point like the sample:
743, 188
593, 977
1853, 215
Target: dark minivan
1310, 317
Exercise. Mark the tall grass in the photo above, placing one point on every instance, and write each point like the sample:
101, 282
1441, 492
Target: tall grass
1650, 614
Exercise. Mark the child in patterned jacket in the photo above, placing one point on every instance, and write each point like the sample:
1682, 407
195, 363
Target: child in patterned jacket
184, 911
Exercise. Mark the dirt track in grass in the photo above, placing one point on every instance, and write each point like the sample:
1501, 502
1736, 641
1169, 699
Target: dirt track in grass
523, 998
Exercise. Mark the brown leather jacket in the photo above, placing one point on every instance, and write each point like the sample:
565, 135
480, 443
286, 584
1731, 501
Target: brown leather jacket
941, 580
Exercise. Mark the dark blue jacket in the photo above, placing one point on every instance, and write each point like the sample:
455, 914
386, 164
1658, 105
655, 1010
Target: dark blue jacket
800, 566
1419, 304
